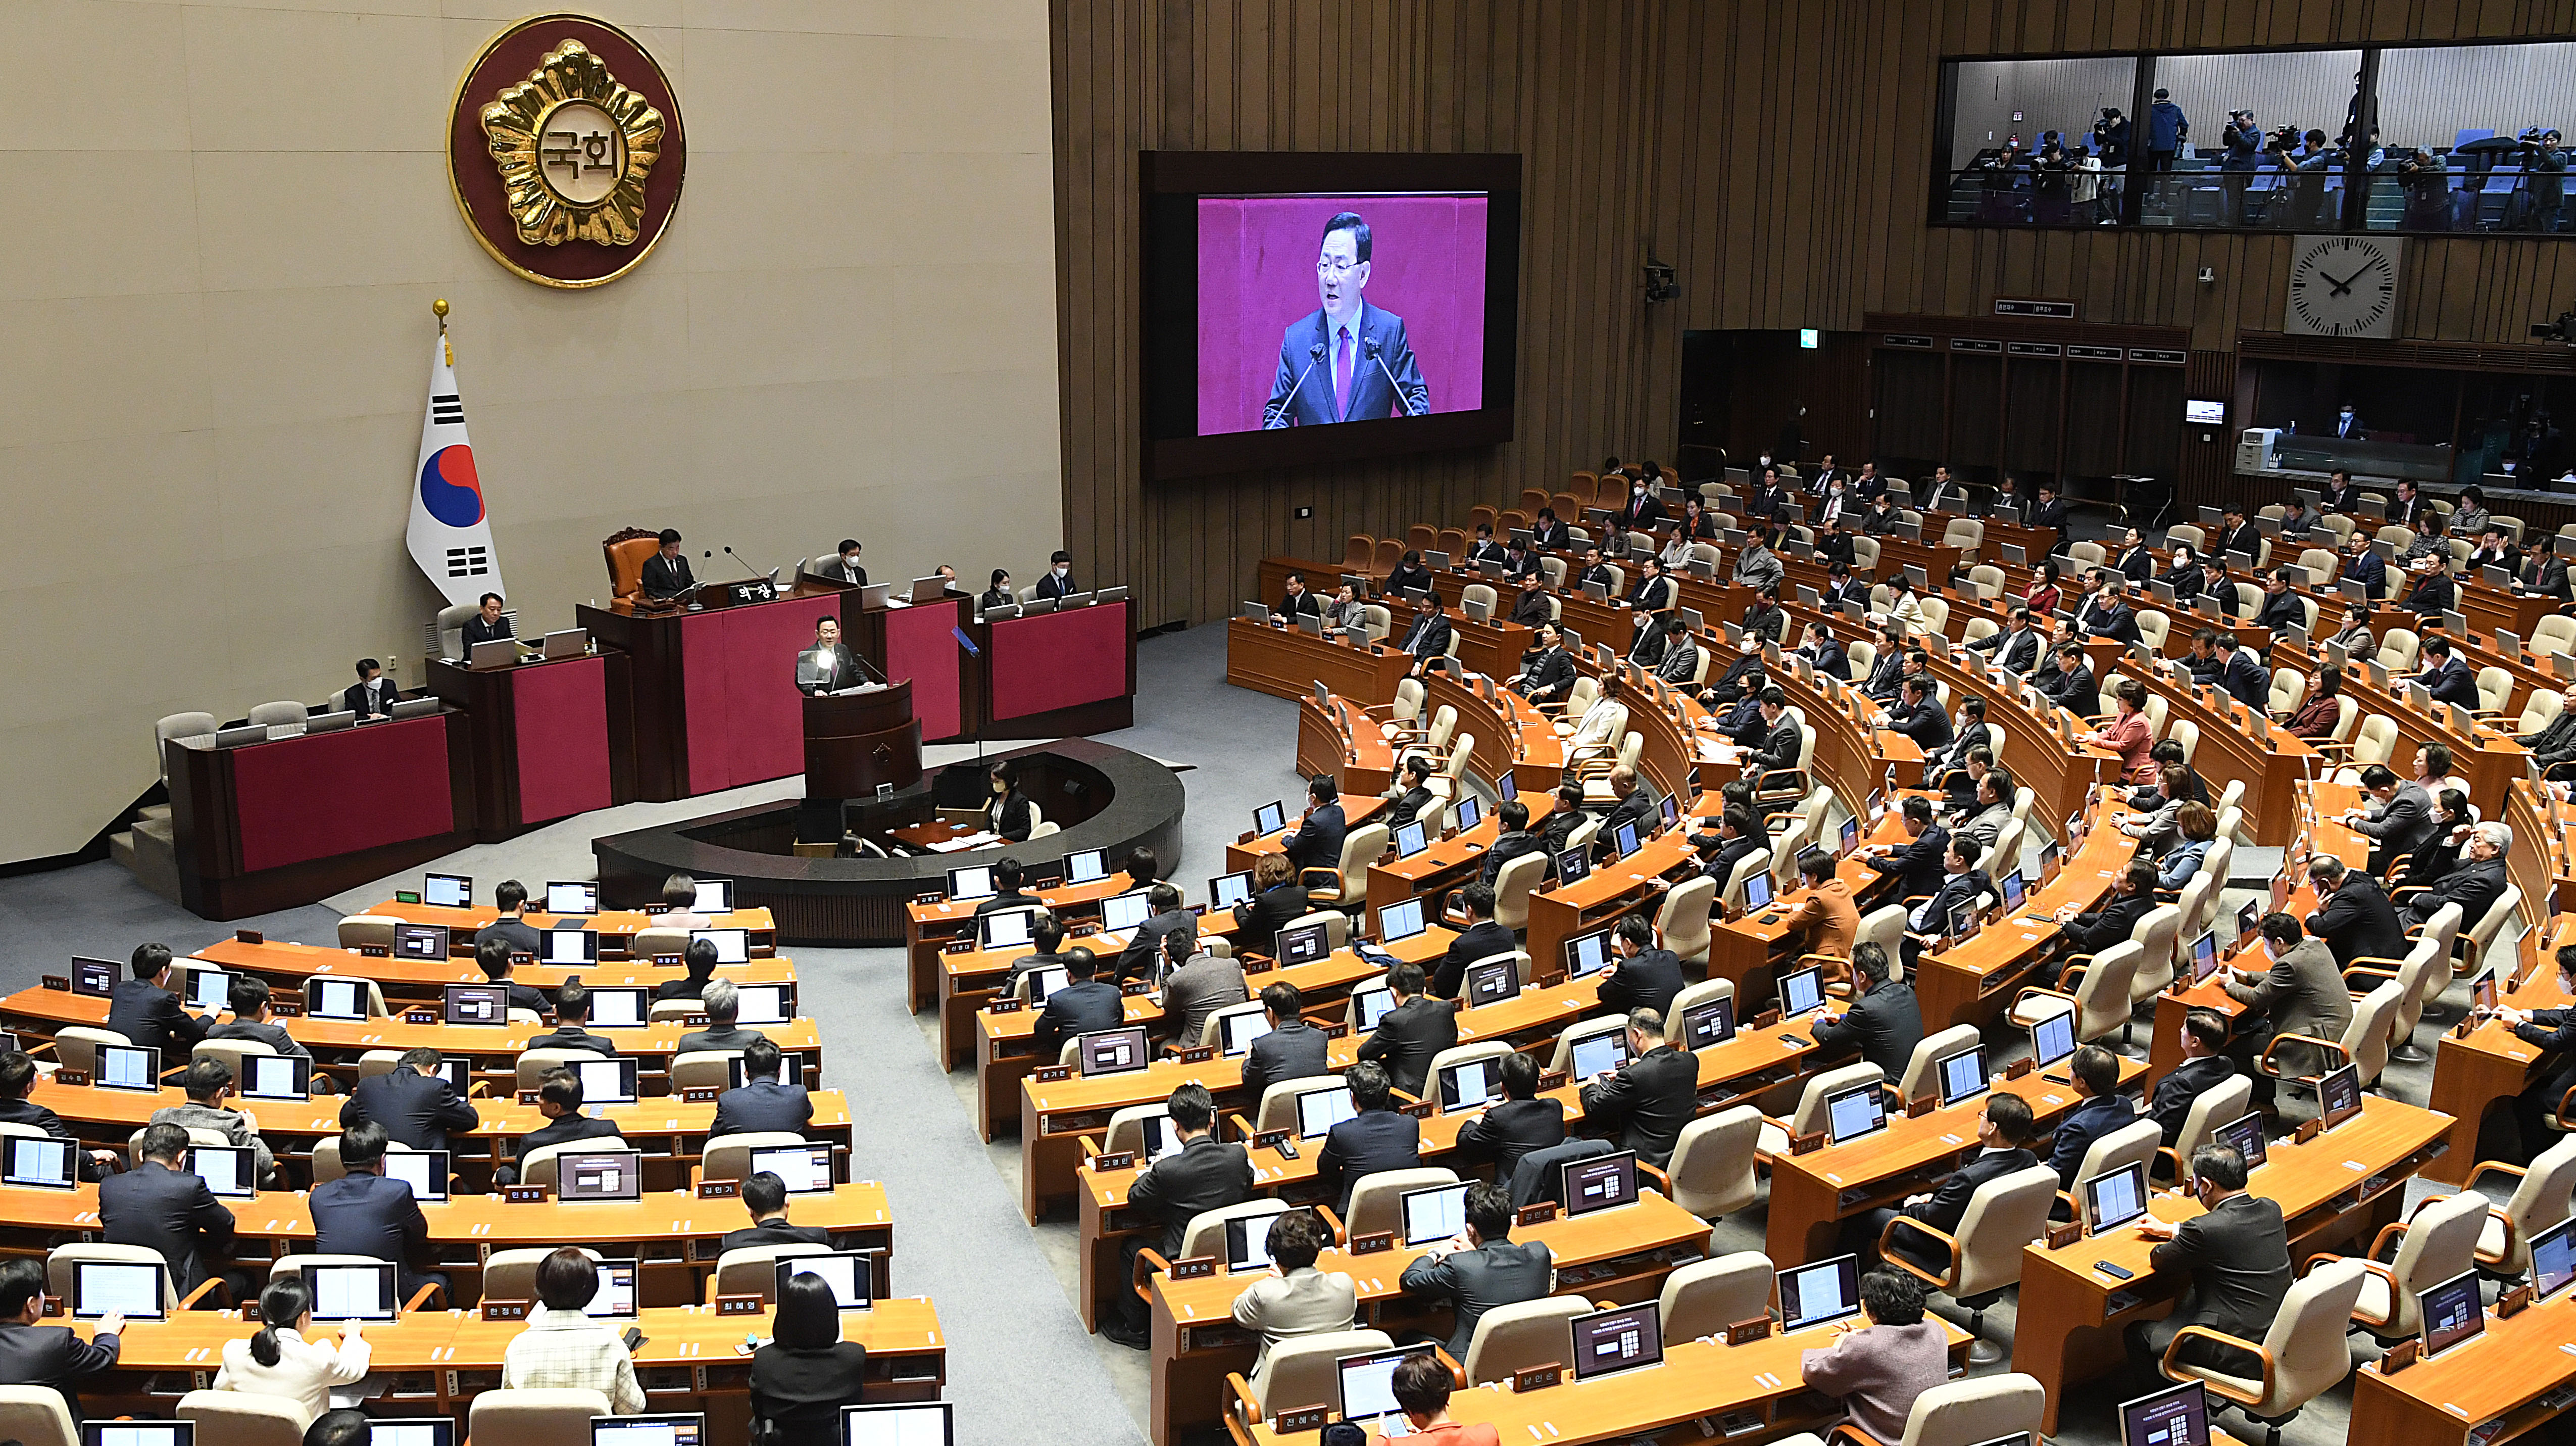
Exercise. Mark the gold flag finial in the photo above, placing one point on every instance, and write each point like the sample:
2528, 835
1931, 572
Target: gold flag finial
440, 307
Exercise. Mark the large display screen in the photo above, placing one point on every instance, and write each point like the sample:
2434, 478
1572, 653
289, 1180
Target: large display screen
1305, 308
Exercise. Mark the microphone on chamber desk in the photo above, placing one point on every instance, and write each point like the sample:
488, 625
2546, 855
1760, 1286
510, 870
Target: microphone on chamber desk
1392, 384
1314, 354
750, 573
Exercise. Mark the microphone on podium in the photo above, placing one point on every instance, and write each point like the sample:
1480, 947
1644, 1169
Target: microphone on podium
1401, 399
1314, 354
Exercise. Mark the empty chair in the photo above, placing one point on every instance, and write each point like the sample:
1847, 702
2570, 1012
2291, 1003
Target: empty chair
359, 931
728, 1157
1712, 1174
76, 1046
2004, 1215
1809, 1117
2441, 1241
1705, 1297
535, 1418
2132, 1144
1377, 1200
1298, 1372
2540, 1199
1682, 924
1918, 1080
278, 715
243, 1418
1513, 1338
2100, 997
36, 1416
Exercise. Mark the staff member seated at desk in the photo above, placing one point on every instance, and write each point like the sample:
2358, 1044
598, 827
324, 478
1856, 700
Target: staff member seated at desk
666, 572
209, 1082
1316, 841
2204, 1066
1057, 581
1083, 1004
513, 930
767, 1101
366, 1212
17, 1081
1651, 1097
252, 1021
493, 955
1008, 814
43, 1355
2301, 993
1206, 1174
699, 960
2238, 1258
563, 1349
805, 1373
723, 1001
1408, 1036
285, 1359
1513, 838
1278, 898
412, 1102
2003, 1132
1167, 922
1877, 1368
999, 595
2555, 1031
1293, 1049
163, 1206
373, 695
764, 1198
843, 564
1411, 796
1295, 1299
1523, 1122
559, 1100
145, 1011
1883, 1024
1008, 873
2100, 1110
1376, 1138
487, 625
1481, 1267
572, 1012
1483, 940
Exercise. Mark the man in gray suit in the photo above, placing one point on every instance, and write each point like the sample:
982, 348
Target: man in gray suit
1199, 986
1293, 1049
2400, 820
1482, 1268
1148, 942
1297, 1299
2302, 993
2238, 1257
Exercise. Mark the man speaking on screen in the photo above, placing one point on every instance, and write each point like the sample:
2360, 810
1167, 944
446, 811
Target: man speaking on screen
1347, 361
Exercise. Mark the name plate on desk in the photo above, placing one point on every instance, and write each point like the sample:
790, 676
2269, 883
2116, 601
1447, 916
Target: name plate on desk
285, 1008
2062, 1236
962, 946
532, 1097
420, 1016
1766, 1019
1758, 1328
1551, 1080
1253, 964
1008, 1006
2399, 1357
2018, 1068
1338, 1031
1807, 1144
1123, 1160
505, 1310
933, 897
250, 936
71, 1076
375, 951
719, 1189
2513, 1302
2306, 1132
1196, 1267
701, 1094
523, 1194
1419, 1109
1084, 930
1246, 836
1537, 1378
1373, 1242
59, 983
1538, 1214
667, 961
1051, 1074
1916, 1109
1134, 987
751, 592
1304, 1418
1199, 1055
741, 1305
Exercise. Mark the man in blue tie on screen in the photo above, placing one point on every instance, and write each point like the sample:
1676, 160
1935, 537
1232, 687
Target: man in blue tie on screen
1347, 361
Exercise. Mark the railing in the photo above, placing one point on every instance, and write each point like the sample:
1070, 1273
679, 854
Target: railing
2485, 191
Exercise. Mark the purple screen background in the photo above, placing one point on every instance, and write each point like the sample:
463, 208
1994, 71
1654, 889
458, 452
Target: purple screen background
1257, 276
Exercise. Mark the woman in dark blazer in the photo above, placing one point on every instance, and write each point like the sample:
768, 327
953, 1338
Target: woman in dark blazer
999, 595
1277, 899
1008, 814
807, 1373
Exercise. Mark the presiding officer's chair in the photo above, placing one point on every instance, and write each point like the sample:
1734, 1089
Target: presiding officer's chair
625, 554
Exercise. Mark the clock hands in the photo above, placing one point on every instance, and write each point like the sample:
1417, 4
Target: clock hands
2340, 287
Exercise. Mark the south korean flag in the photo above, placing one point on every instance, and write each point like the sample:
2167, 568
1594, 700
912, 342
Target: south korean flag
451, 530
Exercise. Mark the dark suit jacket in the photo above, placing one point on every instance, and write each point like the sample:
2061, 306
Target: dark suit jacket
2473, 886
1295, 1050
566, 1130
1884, 1025
2452, 682
1206, 1175
1315, 403
686, 987
364, 1214
370, 700
1955, 890
2369, 569
150, 1015
169, 1211
1648, 981
1050, 585
2018, 652
2357, 921
1257, 922
666, 577
1648, 1100
2238, 1256
706, 1039
1407, 807
1013, 822
1147, 943
1406, 1039
2086, 1123
1078, 1008
2075, 690
2171, 1104
1635, 808
1651, 594
1316, 843
801, 1392
521, 936
1507, 1131
1361, 1146
2109, 925
573, 1036
1009, 899
2247, 539
766, 1104
1917, 866
1428, 637
1780, 749
752, 1236
1546, 677
2119, 622
1925, 723
43, 1355
2432, 596
416, 1109
2282, 610
275, 1035
1949, 1202
1472, 1282
2051, 513
1482, 940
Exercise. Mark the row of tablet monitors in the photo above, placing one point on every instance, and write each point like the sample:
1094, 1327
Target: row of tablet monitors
612, 1006
910, 1423
564, 896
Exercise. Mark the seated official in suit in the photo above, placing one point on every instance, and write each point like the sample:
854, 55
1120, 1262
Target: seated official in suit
413, 1102
1082, 1005
1876, 1369
765, 1200
2237, 1256
563, 1349
1522, 1122
806, 1372
492, 955
1377, 1138
2554, 1031
843, 564
572, 1015
698, 961
1206, 1174
2302, 992
2100, 1109
1649, 1098
998, 594
1277, 898
723, 1001
1482, 940
1962, 887
1643, 976
1057, 581
1631, 803
1297, 602
666, 572
145, 1011
367, 1212
1916, 864
209, 1086
2003, 1133
1009, 813
1150, 941
768, 1100
1412, 793
2399, 819
162, 1205
1480, 1268
286, 1359
1827, 921
1430, 635
1316, 841
1296, 1299
2133, 897
1008, 874
48, 1355
2474, 885
1512, 838
487, 625
1197, 986
1410, 1034
512, 929
559, 1100
2204, 1065
2354, 917
253, 1021
1884, 1022
1293, 1049
373, 695
17, 1081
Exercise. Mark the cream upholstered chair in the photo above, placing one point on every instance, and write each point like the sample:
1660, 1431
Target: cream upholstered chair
1205, 1234
1695, 995
2365, 1042
544, 1164
2131, 1144
535, 1418
2539, 1199
1705, 1297
1458, 1054
1278, 1107
1961, 1413
2153, 628
282, 714
60, 1260
1918, 1079
1513, 1338
36, 1416
1297, 1372
1514, 882
1347, 885
1756, 862
2100, 998
2156, 933
2302, 1355
179, 725
712, 1068
512, 1274
2441, 1241
1809, 1117
2005, 1214
533, 1064
753, 1269
1711, 1174
728, 1157
368, 930
2222, 1102
76, 1046
1337, 925
1377, 1200
243, 1418
1682, 923
1574, 1034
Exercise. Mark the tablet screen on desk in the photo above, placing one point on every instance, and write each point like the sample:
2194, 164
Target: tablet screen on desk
1319, 1110
2052, 1039
1625, 1339
1705, 1026
1008, 928
673, 1430
2113, 1199
1227, 890
116, 1287
1399, 922
1089, 866
733, 946
619, 1006
1623, 842
126, 1067
1573, 866
848, 1272
411, 1431
95, 978
1367, 1383
1963, 1075
606, 1081
1238, 1031
1369, 1005
1801, 990
211, 988
336, 999
1122, 912
2339, 1096
1852, 1113
791, 1070
1162, 1138
2014, 889
2553, 1259
924, 1423
1819, 1294
425, 1171
1434, 1214
1851, 834
764, 1003
138, 1433
2245, 1137
572, 946
1470, 810
1587, 954
715, 896
278, 1077
2452, 1313
476, 1004
1410, 839
1601, 1182
1113, 1051
615, 1299
2204, 956
803, 1169
46, 1164
1247, 1241
1270, 817
1304, 945
572, 896
971, 883
1471, 1085
1600, 1053
2178, 1416
447, 891
226, 1169
1493, 983
601, 1175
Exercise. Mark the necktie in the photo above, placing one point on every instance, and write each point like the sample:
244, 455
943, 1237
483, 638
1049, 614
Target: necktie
1342, 376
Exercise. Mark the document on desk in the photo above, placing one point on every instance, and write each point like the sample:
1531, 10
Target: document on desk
970, 841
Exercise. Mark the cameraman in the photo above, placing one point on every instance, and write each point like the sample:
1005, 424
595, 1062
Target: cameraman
2111, 143
2244, 142
2546, 165
2308, 165
2426, 178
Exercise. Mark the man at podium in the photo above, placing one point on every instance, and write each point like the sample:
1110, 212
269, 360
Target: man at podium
828, 665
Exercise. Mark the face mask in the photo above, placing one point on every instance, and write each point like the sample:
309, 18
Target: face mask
1062, 569
850, 561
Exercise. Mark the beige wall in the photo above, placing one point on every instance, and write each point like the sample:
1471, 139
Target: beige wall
226, 222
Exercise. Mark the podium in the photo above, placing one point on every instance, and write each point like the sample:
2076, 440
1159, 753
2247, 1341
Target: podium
857, 745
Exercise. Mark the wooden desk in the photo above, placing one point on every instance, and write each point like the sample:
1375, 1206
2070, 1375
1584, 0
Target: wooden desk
1288, 663
2499, 1375
930, 927
1812, 1194
970, 978
2067, 1332
290, 967
615, 927
549, 738
1444, 863
1342, 743
1617, 1255
2484, 1072
1973, 982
